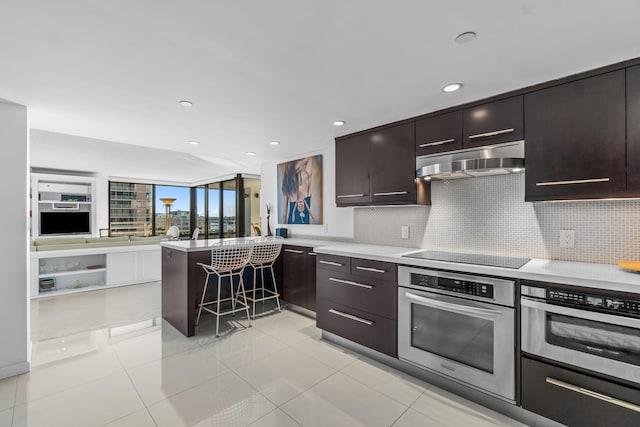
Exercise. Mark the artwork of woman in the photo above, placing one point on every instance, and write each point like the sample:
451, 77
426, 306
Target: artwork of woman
301, 192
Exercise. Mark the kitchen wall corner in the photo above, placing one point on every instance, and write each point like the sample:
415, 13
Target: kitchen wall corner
337, 222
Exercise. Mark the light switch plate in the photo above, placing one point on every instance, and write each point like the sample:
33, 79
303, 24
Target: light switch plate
404, 231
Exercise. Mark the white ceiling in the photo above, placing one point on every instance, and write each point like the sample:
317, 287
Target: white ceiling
281, 70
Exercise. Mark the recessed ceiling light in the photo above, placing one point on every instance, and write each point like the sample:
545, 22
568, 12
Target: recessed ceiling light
466, 37
452, 87
274, 143
339, 123
250, 153
194, 143
186, 103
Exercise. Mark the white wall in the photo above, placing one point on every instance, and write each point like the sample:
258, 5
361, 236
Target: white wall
14, 263
338, 222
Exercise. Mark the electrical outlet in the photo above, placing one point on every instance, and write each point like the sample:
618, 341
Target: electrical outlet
325, 228
567, 238
404, 231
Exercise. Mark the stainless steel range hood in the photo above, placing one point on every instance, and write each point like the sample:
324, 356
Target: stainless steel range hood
499, 159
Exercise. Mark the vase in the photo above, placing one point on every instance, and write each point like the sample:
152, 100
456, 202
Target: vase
269, 233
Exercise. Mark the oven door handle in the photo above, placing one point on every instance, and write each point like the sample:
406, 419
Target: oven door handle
581, 314
454, 308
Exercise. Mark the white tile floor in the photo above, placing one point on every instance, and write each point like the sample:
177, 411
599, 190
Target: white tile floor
106, 358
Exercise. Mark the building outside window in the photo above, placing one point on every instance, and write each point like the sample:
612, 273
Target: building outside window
130, 209
217, 209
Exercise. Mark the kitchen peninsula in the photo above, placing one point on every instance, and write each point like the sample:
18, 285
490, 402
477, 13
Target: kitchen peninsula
183, 279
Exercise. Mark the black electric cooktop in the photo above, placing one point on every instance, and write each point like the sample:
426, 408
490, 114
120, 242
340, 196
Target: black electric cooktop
479, 259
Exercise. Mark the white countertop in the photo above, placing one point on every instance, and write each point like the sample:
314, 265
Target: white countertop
602, 276
203, 245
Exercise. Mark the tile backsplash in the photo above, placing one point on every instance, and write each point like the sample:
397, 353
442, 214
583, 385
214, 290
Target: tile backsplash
489, 215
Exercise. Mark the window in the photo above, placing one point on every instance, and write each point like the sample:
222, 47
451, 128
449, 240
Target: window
217, 209
130, 209
172, 207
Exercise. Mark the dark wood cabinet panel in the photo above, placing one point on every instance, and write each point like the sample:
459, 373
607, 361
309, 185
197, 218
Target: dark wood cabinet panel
357, 300
337, 263
299, 276
494, 122
310, 279
633, 129
370, 330
545, 392
378, 168
353, 165
393, 165
575, 146
369, 295
377, 270
438, 134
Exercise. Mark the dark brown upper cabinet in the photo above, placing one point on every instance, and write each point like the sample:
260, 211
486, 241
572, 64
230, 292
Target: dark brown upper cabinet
379, 168
353, 165
575, 146
494, 122
439, 134
633, 130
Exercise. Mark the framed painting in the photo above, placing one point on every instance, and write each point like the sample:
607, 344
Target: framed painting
300, 191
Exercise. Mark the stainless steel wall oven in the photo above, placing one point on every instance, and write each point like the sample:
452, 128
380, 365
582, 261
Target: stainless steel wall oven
459, 325
597, 330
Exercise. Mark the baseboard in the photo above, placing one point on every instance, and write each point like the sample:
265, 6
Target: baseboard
15, 369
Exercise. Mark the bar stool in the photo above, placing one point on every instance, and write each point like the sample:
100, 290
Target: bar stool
227, 261
264, 254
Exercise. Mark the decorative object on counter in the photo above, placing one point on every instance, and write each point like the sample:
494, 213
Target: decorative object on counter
300, 191
630, 265
282, 232
269, 233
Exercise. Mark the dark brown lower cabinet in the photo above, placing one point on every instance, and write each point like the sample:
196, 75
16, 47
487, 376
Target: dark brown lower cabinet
576, 399
298, 284
357, 300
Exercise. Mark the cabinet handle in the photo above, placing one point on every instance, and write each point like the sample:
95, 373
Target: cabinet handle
349, 282
336, 264
490, 134
593, 394
351, 317
346, 196
312, 253
575, 181
293, 251
431, 144
373, 270
391, 193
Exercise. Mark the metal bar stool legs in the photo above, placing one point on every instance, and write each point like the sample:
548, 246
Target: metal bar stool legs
263, 256
226, 262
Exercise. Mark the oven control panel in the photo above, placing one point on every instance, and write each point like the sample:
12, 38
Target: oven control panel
596, 301
469, 287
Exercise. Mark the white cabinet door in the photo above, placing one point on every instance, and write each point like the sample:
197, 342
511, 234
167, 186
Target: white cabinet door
122, 268
151, 266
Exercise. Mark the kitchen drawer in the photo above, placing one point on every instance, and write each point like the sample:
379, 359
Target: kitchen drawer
374, 269
582, 403
372, 331
371, 295
334, 263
